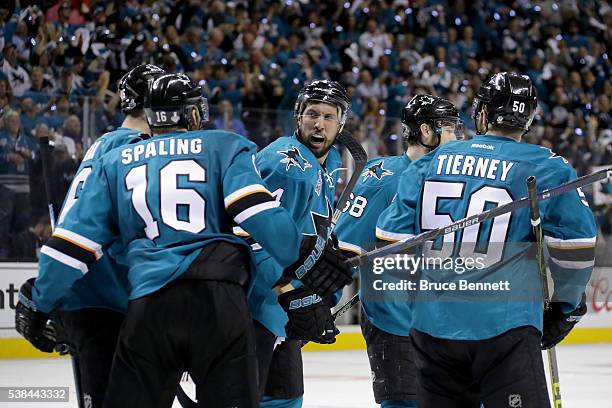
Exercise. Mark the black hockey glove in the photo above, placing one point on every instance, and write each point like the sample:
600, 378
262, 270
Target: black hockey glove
32, 324
557, 324
320, 267
309, 317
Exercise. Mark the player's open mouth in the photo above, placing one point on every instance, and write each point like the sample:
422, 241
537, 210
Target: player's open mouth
317, 140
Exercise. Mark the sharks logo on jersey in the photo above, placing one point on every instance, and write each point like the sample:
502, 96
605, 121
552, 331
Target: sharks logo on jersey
293, 157
320, 221
376, 171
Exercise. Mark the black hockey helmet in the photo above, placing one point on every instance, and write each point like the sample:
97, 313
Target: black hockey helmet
510, 100
431, 110
169, 102
326, 91
133, 86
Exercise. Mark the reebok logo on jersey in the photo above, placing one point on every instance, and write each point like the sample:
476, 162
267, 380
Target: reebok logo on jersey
293, 157
482, 146
376, 171
305, 301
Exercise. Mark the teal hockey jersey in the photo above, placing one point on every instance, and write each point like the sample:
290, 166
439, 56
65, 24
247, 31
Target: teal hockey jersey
501, 290
163, 199
306, 189
356, 232
109, 288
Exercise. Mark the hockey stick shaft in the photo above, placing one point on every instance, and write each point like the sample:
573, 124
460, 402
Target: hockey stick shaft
536, 223
360, 158
45, 158
403, 246
465, 222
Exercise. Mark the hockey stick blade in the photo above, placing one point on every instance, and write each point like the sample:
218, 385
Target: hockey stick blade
402, 246
360, 157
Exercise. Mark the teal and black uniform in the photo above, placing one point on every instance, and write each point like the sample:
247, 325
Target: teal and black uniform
487, 306
162, 200
385, 319
305, 188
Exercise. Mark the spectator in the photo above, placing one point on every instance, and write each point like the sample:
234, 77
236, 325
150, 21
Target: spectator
17, 151
227, 121
373, 43
27, 243
29, 116
40, 89
17, 76
72, 130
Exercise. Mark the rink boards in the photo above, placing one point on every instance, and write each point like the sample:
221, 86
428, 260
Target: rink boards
595, 327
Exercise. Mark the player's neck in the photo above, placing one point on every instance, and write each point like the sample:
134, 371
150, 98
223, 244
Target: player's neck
416, 150
322, 159
138, 124
513, 136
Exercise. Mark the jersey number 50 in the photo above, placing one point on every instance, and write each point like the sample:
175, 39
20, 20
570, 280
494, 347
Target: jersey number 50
433, 191
171, 197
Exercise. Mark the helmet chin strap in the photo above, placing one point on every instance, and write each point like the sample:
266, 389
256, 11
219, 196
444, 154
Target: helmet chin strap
430, 147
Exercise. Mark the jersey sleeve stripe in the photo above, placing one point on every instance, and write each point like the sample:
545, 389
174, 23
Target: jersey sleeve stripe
71, 249
570, 243
244, 191
256, 209
391, 236
356, 249
63, 258
248, 201
573, 264
79, 240
579, 254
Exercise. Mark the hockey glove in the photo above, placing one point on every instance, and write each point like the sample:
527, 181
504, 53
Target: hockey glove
557, 324
320, 267
309, 317
31, 323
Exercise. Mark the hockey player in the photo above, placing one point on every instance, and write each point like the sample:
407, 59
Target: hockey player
473, 346
428, 122
91, 313
169, 201
300, 170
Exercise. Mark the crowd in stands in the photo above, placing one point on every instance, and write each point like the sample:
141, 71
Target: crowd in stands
61, 61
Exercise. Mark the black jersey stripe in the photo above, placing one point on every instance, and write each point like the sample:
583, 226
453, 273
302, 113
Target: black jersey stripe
71, 249
248, 201
573, 254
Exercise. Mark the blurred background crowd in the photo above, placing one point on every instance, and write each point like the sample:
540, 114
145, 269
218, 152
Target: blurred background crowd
61, 61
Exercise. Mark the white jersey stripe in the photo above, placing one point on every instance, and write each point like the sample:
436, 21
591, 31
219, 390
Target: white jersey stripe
244, 191
80, 241
256, 209
65, 259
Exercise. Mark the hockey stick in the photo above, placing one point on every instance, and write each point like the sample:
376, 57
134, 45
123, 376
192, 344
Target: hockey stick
536, 223
402, 246
360, 158
62, 348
